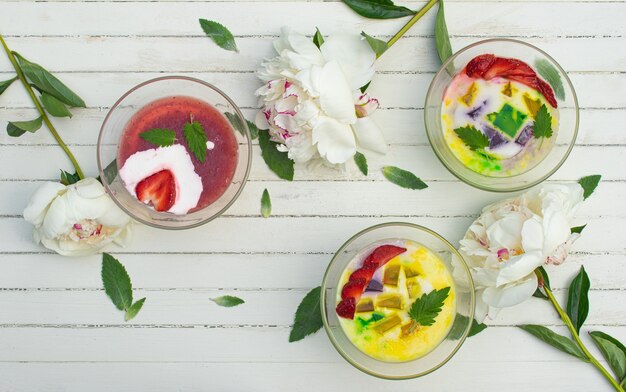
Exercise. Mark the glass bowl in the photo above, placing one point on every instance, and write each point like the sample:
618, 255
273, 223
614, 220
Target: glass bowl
137, 98
464, 301
568, 117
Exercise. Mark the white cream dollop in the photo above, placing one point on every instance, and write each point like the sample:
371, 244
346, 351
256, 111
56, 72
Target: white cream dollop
174, 158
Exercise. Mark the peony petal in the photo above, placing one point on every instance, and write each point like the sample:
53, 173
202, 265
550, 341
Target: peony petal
532, 235
510, 294
517, 267
309, 79
304, 53
354, 55
260, 120
334, 140
40, 200
335, 96
481, 309
56, 222
369, 136
505, 233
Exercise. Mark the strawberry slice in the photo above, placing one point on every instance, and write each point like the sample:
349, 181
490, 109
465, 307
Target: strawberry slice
381, 255
158, 189
354, 288
346, 308
365, 272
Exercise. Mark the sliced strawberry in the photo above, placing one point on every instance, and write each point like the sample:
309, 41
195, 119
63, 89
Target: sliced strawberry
477, 67
365, 272
508, 68
346, 308
159, 190
354, 288
381, 255
546, 90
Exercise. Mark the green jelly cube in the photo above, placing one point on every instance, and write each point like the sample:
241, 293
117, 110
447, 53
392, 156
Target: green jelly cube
508, 120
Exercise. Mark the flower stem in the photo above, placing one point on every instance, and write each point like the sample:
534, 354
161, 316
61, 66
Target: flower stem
42, 113
579, 342
411, 22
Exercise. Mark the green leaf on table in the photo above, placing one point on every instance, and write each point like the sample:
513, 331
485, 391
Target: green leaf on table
318, 38
18, 128
116, 282
578, 299
472, 137
378, 9
228, 301
403, 178
361, 163
161, 137
219, 34
589, 184
277, 161
196, 139
476, 328
577, 229
68, 178
53, 106
134, 309
364, 88
46, 82
6, 83
266, 204
544, 281
378, 46
459, 325
555, 340
236, 122
613, 351
308, 317
254, 130
442, 39
110, 172
552, 76
543, 123
426, 308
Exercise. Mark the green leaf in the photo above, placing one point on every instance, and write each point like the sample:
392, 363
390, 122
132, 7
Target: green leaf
543, 123
378, 46
266, 204
589, 184
116, 282
476, 328
219, 34
555, 340
277, 161
110, 172
361, 163
53, 106
378, 9
6, 83
578, 299
159, 137
543, 282
134, 309
613, 351
235, 121
308, 317
196, 139
459, 325
403, 178
48, 83
68, 178
18, 128
577, 229
318, 39
442, 40
228, 301
426, 308
472, 137
552, 76
364, 88
254, 131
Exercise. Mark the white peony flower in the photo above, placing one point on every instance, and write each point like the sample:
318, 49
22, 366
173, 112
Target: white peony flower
78, 219
311, 99
512, 238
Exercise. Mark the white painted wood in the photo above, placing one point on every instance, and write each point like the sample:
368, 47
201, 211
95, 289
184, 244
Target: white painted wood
58, 331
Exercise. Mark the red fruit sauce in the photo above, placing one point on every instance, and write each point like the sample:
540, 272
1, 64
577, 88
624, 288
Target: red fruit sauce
173, 113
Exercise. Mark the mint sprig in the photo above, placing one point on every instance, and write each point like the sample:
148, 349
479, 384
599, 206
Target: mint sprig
543, 123
219, 34
118, 287
403, 178
308, 318
161, 137
472, 137
196, 139
589, 184
426, 308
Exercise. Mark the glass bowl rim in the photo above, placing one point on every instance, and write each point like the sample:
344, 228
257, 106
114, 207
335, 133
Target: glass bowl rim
338, 347
562, 73
246, 133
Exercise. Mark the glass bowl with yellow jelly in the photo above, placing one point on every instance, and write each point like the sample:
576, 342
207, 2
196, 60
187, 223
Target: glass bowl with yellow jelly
501, 115
392, 304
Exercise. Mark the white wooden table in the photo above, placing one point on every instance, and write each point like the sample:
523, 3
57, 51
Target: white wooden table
59, 332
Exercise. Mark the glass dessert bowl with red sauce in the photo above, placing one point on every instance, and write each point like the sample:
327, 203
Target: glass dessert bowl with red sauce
174, 152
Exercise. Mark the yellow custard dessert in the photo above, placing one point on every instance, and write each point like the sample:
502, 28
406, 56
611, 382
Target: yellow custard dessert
381, 325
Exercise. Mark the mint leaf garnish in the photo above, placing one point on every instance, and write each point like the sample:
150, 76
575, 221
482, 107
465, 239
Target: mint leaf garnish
219, 34
266, 204
403, 178
159, 136
18, 128
277, 161
68, 178
577, 229
308, 317
361, 163
118, 287
543, 123
472, 137
196, 139
589, 184
228, 301
6, 83
318, 39
378, 46
426, 308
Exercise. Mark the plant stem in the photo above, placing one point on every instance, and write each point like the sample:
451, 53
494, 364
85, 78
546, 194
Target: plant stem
579, 342
411, 22
40, 109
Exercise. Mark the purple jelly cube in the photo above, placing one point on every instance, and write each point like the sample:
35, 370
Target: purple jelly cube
477, 111
525, 135
495, 138
374, 285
